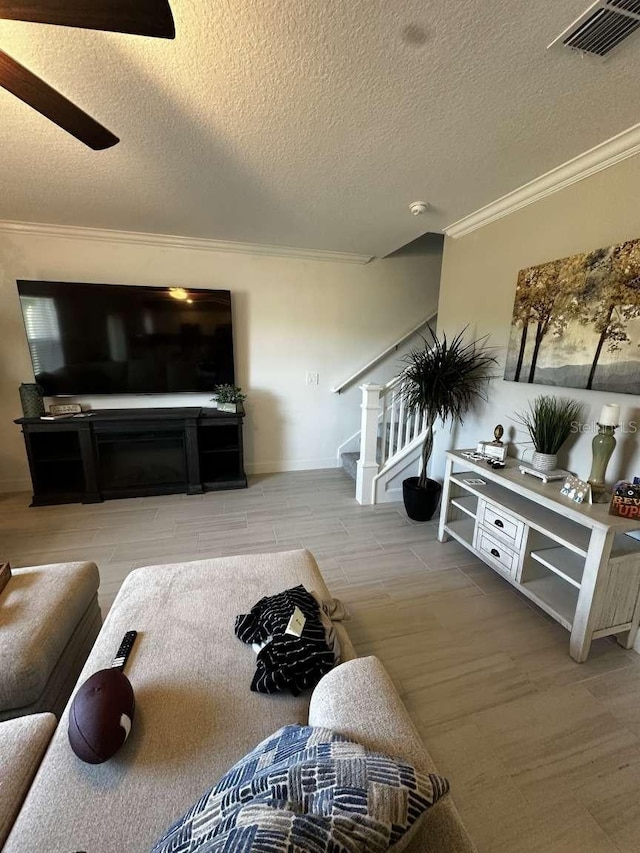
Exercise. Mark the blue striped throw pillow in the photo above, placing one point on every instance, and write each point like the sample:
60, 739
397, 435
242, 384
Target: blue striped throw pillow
307, 789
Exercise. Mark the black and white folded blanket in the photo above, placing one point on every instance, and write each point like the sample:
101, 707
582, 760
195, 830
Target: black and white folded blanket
286, 661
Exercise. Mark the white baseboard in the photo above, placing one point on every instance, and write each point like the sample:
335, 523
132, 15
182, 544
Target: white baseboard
20, 484
280, 466
276, 467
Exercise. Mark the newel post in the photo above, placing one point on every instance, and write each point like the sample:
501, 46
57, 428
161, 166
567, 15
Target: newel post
367, 466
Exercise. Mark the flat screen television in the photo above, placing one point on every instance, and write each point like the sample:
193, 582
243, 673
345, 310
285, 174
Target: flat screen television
123, 339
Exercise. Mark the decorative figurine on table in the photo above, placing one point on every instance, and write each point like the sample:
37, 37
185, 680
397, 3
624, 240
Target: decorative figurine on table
576, 490
495, 449
602, 446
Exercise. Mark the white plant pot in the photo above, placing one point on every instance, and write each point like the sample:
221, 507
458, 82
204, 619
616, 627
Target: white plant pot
544, 461
227, 407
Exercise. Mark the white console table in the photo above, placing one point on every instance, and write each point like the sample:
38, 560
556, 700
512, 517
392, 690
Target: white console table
575, 561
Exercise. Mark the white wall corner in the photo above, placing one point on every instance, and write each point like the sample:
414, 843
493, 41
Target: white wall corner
614, 150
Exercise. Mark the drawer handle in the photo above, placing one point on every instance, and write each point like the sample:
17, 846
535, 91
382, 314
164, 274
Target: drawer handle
498, 523
495, 552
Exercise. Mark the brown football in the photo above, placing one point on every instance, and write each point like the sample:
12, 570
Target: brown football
101, 716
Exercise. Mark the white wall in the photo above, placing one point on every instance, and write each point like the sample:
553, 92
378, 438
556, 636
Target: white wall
478, 285
290, 316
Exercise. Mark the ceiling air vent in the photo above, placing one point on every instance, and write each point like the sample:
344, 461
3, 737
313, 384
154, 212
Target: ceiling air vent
604, 25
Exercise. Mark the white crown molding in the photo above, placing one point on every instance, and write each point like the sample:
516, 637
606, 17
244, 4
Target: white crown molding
614, 150
167, 241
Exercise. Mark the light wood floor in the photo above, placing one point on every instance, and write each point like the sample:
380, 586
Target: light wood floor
543, 754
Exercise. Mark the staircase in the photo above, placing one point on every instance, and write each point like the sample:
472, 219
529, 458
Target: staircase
390, 444
350, 458
387, 447
350, 462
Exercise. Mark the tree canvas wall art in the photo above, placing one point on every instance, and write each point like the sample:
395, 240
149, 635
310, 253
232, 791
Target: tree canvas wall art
576, 322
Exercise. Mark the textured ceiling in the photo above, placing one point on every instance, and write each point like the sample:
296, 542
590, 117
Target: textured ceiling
309, 124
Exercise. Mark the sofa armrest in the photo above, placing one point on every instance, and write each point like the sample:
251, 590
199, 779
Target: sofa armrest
359, 700
23, 742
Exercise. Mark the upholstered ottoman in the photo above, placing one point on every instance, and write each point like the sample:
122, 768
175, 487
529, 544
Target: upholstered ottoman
49, 619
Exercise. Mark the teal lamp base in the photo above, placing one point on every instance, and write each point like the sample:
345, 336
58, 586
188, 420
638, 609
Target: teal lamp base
602, 446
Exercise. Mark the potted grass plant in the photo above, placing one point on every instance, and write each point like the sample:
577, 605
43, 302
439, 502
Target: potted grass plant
549, 422
443, 378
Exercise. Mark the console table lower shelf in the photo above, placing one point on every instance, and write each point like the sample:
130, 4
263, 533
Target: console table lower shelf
577, 563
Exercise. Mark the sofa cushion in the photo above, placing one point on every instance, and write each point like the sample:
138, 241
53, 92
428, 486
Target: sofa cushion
309, 789
41, 607
195, 715
22, 745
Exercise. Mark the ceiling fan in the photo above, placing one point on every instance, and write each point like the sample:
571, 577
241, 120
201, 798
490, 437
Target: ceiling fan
140, 17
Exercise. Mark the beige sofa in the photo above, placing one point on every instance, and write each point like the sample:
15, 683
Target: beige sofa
195, 714
49, 620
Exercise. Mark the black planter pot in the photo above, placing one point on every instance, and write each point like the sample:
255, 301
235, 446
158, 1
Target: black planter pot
420, 503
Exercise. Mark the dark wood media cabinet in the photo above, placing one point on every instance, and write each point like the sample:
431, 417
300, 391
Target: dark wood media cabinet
126, 453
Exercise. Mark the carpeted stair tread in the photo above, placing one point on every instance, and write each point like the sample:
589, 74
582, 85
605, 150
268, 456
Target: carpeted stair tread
349, 461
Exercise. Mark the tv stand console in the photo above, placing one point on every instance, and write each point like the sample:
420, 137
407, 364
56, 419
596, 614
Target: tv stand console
125, 453
575, 561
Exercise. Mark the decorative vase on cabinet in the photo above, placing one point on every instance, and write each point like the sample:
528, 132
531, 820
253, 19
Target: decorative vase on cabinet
544, 461
31, 400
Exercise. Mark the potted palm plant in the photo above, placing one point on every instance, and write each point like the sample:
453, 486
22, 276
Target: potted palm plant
442, 380
549, 421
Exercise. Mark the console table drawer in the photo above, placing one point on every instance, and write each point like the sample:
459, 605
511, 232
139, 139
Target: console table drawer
501, 524
496, 551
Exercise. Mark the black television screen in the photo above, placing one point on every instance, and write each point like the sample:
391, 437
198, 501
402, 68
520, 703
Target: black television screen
122, 339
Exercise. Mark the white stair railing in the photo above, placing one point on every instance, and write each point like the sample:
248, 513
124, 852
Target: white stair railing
388, 432
394, 347
400, 427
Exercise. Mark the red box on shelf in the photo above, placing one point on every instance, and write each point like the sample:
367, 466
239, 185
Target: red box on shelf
625, 500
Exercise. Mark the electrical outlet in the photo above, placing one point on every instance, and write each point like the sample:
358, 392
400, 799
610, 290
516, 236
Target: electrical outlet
313, 378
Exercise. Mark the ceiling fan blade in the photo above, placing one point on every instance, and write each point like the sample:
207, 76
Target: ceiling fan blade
140, 17
22, 83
